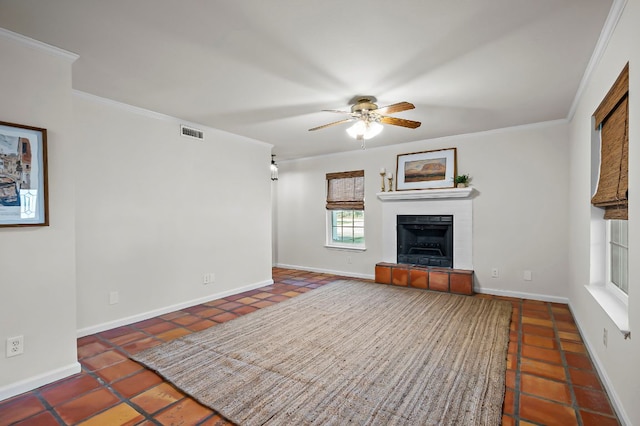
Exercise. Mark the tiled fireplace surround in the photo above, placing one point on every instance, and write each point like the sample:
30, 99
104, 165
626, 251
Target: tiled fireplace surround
455, 201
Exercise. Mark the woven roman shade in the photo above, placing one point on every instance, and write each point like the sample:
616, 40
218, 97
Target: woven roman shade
345, 190
612, 118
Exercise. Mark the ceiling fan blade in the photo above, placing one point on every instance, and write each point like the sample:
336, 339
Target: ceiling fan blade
346, 120
400, 122
400, 106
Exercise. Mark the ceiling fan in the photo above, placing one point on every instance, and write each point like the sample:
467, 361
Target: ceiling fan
369, 118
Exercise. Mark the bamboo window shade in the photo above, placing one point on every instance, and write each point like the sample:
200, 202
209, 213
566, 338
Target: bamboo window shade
612, 118
345, 190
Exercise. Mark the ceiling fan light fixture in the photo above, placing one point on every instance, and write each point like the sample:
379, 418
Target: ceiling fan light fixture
365, 129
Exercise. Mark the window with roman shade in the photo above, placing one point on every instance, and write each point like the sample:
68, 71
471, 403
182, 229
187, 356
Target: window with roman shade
612, 120
345, 190
345, 210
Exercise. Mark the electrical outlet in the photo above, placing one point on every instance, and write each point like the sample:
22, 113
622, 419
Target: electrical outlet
114, 297
605, 337
527, 276
15, 346
208, 278
349, 260
495, 273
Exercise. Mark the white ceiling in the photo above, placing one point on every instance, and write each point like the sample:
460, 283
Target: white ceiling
265, 69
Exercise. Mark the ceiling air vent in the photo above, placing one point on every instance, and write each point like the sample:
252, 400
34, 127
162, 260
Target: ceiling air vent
190, 132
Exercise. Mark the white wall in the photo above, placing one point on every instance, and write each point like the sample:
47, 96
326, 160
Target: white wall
37, 264
135, 208
156, 211
519, 214
618, 362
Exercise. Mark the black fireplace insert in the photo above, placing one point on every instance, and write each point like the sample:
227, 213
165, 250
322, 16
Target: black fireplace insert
425, 240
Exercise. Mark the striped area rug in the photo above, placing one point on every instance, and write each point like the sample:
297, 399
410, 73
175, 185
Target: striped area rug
349, 353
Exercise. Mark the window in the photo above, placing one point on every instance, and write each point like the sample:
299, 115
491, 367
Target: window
347, 228
345, 209
609, 276
618, 258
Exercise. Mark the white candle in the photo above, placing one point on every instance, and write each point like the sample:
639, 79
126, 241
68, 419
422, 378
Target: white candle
382, 170
389, 175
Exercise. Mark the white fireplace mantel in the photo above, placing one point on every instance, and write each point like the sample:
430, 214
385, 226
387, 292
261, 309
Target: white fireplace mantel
457, 202
426, 194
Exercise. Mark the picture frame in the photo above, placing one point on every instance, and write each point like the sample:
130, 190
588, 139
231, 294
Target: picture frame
23, 176
426, 170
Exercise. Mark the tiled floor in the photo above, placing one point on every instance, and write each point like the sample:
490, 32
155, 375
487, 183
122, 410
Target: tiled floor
550, 379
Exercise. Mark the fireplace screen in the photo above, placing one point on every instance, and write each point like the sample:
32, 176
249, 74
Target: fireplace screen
425, 240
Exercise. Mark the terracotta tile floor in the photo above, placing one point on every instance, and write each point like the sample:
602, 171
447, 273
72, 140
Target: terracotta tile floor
550, 379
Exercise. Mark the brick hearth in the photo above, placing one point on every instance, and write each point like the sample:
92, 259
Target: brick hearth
448, 280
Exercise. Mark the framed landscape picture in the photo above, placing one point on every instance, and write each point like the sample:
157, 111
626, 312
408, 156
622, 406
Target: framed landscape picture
426, 170
23, 175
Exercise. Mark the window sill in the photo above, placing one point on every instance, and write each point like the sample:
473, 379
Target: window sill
345, 248
613, 307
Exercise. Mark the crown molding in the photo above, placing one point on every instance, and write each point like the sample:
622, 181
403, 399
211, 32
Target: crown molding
615, 13
43, 47
158, 116
517, 128
129, 108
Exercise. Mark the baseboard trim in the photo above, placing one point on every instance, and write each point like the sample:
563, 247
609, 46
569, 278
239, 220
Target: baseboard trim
326, 271
495, 292
167, 309
34, 382
522, 295
602, 373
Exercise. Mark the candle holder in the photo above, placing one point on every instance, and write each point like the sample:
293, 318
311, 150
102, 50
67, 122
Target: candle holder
390, 178
382, 174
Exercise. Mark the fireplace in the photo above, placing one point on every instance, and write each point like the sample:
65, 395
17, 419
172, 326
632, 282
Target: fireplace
425, 240
455, 202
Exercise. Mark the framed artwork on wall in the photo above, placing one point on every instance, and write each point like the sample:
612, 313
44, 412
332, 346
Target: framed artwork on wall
23, 175
426, 170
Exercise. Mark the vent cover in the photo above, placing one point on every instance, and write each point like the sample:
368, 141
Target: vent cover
190, 132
